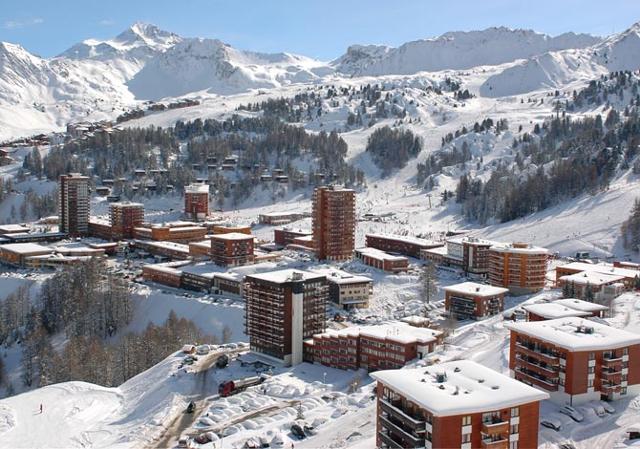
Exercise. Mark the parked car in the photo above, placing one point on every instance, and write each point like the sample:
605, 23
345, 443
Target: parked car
572, 413
566, 445
202, 350
607, 407
599, 410
184, 443
551, 423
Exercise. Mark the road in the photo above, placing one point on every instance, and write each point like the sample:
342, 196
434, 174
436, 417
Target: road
204, 389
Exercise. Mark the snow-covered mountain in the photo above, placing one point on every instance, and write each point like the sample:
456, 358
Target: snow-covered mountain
557, 68
458, 50
209, 64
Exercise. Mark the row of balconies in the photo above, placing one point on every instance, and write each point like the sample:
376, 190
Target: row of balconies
535, 379
536, 352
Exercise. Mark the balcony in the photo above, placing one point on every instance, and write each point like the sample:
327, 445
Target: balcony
538, 354
495, 444
539, 382
495, 428
612, 363
414, 423
545, 371
610, 388
408, 440
390, 442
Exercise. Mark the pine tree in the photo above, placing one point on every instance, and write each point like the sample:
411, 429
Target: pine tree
428, 288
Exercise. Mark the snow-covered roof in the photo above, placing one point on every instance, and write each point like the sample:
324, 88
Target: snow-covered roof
398, 332
126, 204
441, 250
519, 248
280, 214
10, 228
550, 310
415, 320
203, 269
232, 236
164, 244
378, 254
579, 304
202, 244
26, 248
406, 239
475, 289
592, 278
197, 188
603, 268
471, 241
288, 275
564, 333
466, 387
305, 238
342, 277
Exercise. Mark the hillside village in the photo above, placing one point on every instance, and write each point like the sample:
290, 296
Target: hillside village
379, 252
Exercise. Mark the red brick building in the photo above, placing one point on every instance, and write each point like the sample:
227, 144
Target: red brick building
334, 222
381, 260
470, 300
285, 236
124, 217
284, 308
387, 346
575, 360
232, 250
177, 233
520, 267
459, 404
196, 201
73, 204
408, 246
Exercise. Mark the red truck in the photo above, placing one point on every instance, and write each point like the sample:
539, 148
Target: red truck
231, 387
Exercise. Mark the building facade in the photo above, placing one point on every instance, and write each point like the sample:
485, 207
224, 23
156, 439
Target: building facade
408, 246
575, 360
334, 222
73, 203
459, 404
519, 267
196, 201
381, 260
124, 217
232, 250
283, 308
470, 300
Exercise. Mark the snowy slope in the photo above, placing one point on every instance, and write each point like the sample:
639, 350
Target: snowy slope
463, 50
556, 69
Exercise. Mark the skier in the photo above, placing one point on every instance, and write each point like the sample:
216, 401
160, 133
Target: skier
41, 409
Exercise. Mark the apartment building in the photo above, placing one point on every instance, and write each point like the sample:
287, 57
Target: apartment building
279, 218
180, 232
575, 360
283, 308
334, 222
470, 300
386, 346
381, 260
471, 254
73, 204
196, 201
593, 285
626, 272
520, 267
285, 236
348, 290
232, 250
124, 218
459, 404
405, 245
17, 254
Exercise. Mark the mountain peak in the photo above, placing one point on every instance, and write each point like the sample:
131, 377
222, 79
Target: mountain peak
149, 34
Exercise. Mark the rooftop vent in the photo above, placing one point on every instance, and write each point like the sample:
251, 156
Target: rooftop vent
441, 377
455, 393
296, 276
480, 381
441, 387
456, 370
477, 289
495, 387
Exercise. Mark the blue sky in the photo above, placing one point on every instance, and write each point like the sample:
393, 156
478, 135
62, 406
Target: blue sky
321, 29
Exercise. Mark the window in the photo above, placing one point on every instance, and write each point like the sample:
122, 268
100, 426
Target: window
428, 436
513, 445
590, 383
514, 428
592, 369
515, 411
623, 390
592, 356
625, 351
466, 438
466, 420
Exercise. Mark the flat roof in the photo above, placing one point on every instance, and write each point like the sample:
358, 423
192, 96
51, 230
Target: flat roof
466, 387
197, 188
379, 254
563, 332
471, 240
397, 331
601, 268
406, 239
551, 310
475, 289
510, 248
8, 228
26, 248
342, 277
579, 304
232, 236
283, 276
592, 278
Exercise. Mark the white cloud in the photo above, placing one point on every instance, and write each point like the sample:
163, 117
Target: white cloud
106, 22
14, 24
